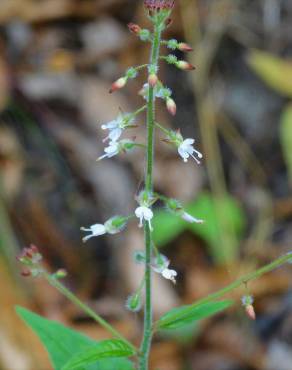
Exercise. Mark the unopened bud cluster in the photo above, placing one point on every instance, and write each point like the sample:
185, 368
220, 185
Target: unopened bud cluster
158, 5
31, 258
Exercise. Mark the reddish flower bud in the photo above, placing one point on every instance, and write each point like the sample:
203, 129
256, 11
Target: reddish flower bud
134, 28
184, 47
27, 252
249, 309
171, 106
34, 249
152, 79
185, 66
157, 5
25, 273
61, 273
119, 84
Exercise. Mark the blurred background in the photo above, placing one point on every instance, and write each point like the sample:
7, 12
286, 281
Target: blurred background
57, 61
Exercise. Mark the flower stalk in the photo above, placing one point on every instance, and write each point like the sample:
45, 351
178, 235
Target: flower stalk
148, 315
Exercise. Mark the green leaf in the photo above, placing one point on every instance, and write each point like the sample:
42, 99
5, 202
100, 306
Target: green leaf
166, 227
274, 71
63, 343
181, 316
106, 348
182, 335
225, 209
286, 138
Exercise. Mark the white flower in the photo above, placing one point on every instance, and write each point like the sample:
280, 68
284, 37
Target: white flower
186, 149
95, 230
117, 126
160, 266
169, 274
112, 226
116, 147
111, 150
189, 218
144, 213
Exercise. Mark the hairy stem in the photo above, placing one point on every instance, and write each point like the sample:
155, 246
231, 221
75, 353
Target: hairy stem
147, 332
68, 294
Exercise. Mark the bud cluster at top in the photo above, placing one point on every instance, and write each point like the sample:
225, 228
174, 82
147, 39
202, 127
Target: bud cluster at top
157, 5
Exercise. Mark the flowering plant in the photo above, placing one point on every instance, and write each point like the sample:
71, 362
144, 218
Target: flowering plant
82, 352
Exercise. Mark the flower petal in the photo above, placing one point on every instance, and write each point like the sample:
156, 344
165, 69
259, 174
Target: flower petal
115, 134
98, 229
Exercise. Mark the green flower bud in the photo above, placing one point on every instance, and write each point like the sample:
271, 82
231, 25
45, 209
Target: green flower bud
172, 44
145, 35
171, 59
139, 257
134, 303
131, 73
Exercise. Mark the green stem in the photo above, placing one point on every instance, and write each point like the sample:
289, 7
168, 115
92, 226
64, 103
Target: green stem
245, 279
141, 67
66, 292
163, 129
140, 110
148, 316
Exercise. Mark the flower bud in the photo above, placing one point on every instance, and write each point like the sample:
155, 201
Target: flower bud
172, 44
171, 59
25, 273
134, 28
118, 84
134, 302
173, 205
139, 257
247, 302
61, 274
185, 66
158, 5
249, 309
182, 46
115, 224
152, 79
171, 106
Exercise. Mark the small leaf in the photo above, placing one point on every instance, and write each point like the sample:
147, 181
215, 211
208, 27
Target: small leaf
179, 317
276, 72
104, 349
286, 138
63, 343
